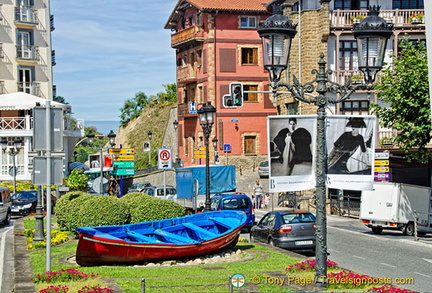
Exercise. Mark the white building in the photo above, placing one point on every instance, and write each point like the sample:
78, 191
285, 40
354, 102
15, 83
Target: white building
26, 60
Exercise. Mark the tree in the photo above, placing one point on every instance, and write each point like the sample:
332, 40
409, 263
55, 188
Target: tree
77, 180
132, 108
404, 90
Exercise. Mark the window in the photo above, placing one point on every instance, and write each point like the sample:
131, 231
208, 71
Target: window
24, 45
351, 4
249, 145
292, 108
25, 80
355, 107
249, 56
250, 97
248, 21
408, 4
348, 59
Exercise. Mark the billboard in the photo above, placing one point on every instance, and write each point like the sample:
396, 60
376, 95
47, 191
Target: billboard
350, 151
292, 140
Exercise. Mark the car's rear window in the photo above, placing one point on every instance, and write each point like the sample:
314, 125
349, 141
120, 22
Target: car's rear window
264, 164
235, 203
298, 218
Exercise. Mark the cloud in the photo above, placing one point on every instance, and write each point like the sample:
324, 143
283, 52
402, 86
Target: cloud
106, 51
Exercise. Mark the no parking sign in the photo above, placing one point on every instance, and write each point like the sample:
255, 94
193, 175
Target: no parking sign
164, 158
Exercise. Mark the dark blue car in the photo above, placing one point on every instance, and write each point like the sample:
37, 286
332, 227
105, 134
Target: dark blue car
235, 201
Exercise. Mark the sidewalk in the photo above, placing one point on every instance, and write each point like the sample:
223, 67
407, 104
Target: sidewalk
22, 265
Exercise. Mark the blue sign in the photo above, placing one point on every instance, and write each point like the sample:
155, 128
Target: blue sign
227, 147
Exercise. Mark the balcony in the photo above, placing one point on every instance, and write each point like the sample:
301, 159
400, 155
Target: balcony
32, 88
186, 74
25, 17
27, 52
187, 110
401, 18
192, 34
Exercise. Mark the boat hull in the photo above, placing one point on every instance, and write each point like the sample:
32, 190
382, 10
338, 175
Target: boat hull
95, 250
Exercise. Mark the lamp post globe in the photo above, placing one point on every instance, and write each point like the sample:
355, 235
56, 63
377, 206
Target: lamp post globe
276, 33
372, 34
207, 116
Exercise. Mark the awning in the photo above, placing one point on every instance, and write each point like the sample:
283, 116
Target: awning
24, 101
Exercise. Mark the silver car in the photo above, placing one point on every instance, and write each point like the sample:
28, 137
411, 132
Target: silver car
289, 230
263, 169
159, 192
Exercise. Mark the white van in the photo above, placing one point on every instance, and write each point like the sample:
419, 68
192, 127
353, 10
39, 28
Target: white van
5, 205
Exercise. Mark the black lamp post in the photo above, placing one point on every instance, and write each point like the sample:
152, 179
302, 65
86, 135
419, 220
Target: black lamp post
111, 140
207, 116
12, 152
277, 33
149, 134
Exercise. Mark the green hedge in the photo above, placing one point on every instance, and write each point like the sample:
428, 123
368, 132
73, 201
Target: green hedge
79, 209
145, 208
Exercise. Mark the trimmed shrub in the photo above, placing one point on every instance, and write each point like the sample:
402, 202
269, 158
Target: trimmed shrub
66, 208
102, 210
145, 208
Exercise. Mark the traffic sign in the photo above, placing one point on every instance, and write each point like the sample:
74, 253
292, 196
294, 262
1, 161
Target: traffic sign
227, 147
124, 157
124, 164
122, 172
382, 156
121, 151
164, 159
381, 169
382, 163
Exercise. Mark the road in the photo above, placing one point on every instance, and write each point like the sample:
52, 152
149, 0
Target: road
389, 255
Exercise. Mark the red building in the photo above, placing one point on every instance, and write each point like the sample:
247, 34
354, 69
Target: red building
217, 43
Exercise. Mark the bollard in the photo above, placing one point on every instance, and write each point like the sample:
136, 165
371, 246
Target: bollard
142, 285
415, 226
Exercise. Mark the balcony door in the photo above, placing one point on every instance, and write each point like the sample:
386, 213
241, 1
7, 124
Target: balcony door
24, 45
25, 80
25, 12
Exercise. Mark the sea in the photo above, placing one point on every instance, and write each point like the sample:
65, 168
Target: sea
104, 127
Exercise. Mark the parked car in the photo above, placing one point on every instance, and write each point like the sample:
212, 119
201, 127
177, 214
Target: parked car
137, 187
159, 192
24, 202
235, 201
5, 206
285, 229
263, 169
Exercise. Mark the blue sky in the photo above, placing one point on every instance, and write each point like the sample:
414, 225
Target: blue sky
108, 50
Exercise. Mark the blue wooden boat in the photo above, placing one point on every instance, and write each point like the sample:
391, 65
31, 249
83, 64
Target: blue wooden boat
175, 238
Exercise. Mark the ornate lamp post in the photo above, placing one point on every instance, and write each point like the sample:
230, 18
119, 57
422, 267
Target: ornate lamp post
149, 134
12, 152
207, 116
111, 140
277, 33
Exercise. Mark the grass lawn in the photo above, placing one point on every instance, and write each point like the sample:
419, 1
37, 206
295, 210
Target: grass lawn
262, 267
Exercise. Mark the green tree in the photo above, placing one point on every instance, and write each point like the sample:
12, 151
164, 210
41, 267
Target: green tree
77, 180
404, 91
132, 108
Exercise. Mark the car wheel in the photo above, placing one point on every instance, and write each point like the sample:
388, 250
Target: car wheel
7, 220
377, 230
409, 229
272, 242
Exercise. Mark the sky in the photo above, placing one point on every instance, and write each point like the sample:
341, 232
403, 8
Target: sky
108, 50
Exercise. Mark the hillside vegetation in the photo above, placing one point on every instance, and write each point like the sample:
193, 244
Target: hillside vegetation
153, 118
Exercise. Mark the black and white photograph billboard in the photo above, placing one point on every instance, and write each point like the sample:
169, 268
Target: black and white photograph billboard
291, 152
350, 149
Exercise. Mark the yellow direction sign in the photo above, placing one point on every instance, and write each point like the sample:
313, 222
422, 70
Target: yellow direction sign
121, 151
124, 157
382, 162
200, 153
381, 169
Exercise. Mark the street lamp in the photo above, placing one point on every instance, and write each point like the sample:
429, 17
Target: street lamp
12, 152
207, 116
149, 134
175, 124
111, 140
277, 33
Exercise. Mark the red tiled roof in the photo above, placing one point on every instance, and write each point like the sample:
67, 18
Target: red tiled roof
250, 5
